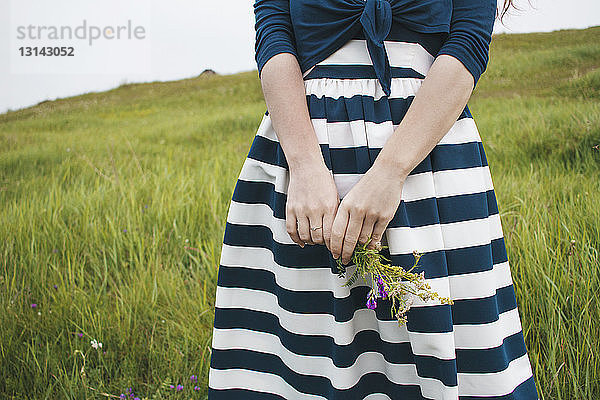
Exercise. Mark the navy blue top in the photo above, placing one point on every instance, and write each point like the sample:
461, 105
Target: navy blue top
312, 30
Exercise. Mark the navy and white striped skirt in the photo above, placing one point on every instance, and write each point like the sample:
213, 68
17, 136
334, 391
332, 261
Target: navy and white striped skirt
284, 326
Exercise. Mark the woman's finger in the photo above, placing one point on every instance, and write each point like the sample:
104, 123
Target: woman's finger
327, 222
367, 229
291, 226
304, 230
317, 234
378, 230
351, 235
338, 229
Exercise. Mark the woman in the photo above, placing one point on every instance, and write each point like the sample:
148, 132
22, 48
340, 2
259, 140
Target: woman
367, 134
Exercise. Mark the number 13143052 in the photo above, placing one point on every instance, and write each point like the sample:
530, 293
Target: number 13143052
47, 51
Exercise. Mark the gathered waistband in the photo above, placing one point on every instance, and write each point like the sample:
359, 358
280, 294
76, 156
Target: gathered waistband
352, 61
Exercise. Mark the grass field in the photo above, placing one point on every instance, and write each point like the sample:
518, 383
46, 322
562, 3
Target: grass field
113, 206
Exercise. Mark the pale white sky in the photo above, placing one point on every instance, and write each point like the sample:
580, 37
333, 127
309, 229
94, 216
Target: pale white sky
181, 38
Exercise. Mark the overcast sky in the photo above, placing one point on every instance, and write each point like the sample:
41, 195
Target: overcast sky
175, 39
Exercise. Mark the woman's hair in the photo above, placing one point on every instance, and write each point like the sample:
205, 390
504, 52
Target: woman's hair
505, 7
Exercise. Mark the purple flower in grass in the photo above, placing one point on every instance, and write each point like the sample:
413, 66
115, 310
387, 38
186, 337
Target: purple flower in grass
196, 387
179, 388
172, 387
123, 396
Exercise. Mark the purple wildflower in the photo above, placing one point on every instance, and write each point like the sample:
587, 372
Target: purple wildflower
172, 387
381, 292
372, 303
136, 398
193, 378
33, 305
124, 230
123, 396
55, 286
196, 387
384, 294
80, 334
179, 388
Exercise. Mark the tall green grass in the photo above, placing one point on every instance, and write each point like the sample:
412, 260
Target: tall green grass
119, 199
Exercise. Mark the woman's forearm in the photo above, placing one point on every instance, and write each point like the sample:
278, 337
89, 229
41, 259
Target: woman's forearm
285, 96
439, 101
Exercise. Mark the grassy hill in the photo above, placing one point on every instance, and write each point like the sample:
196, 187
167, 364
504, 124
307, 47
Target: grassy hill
113, 205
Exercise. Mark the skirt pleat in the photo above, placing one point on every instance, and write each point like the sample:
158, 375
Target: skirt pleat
284, 326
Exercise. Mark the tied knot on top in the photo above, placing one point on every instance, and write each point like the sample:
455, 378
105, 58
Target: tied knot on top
376, 20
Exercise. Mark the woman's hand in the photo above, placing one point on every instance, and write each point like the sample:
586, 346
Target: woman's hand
366, 211
312, 201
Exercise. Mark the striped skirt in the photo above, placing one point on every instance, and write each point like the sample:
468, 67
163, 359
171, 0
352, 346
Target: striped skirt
285, 328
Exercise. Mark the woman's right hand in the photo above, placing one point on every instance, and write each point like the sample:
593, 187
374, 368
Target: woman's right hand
312, 201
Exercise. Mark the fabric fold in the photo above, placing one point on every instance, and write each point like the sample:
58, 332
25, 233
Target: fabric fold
376, 20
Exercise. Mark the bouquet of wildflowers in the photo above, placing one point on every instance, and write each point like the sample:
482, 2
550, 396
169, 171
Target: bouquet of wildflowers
390, 281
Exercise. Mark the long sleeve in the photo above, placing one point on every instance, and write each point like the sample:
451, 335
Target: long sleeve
274, 33
470, 34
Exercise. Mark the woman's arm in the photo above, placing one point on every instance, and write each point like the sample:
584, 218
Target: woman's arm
372, 202
285, 96
312, 196
444, 93
282, 82
441, 98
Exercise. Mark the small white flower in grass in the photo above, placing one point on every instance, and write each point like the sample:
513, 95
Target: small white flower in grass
95, 344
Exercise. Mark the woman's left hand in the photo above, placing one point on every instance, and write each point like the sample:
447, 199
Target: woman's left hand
365, 211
